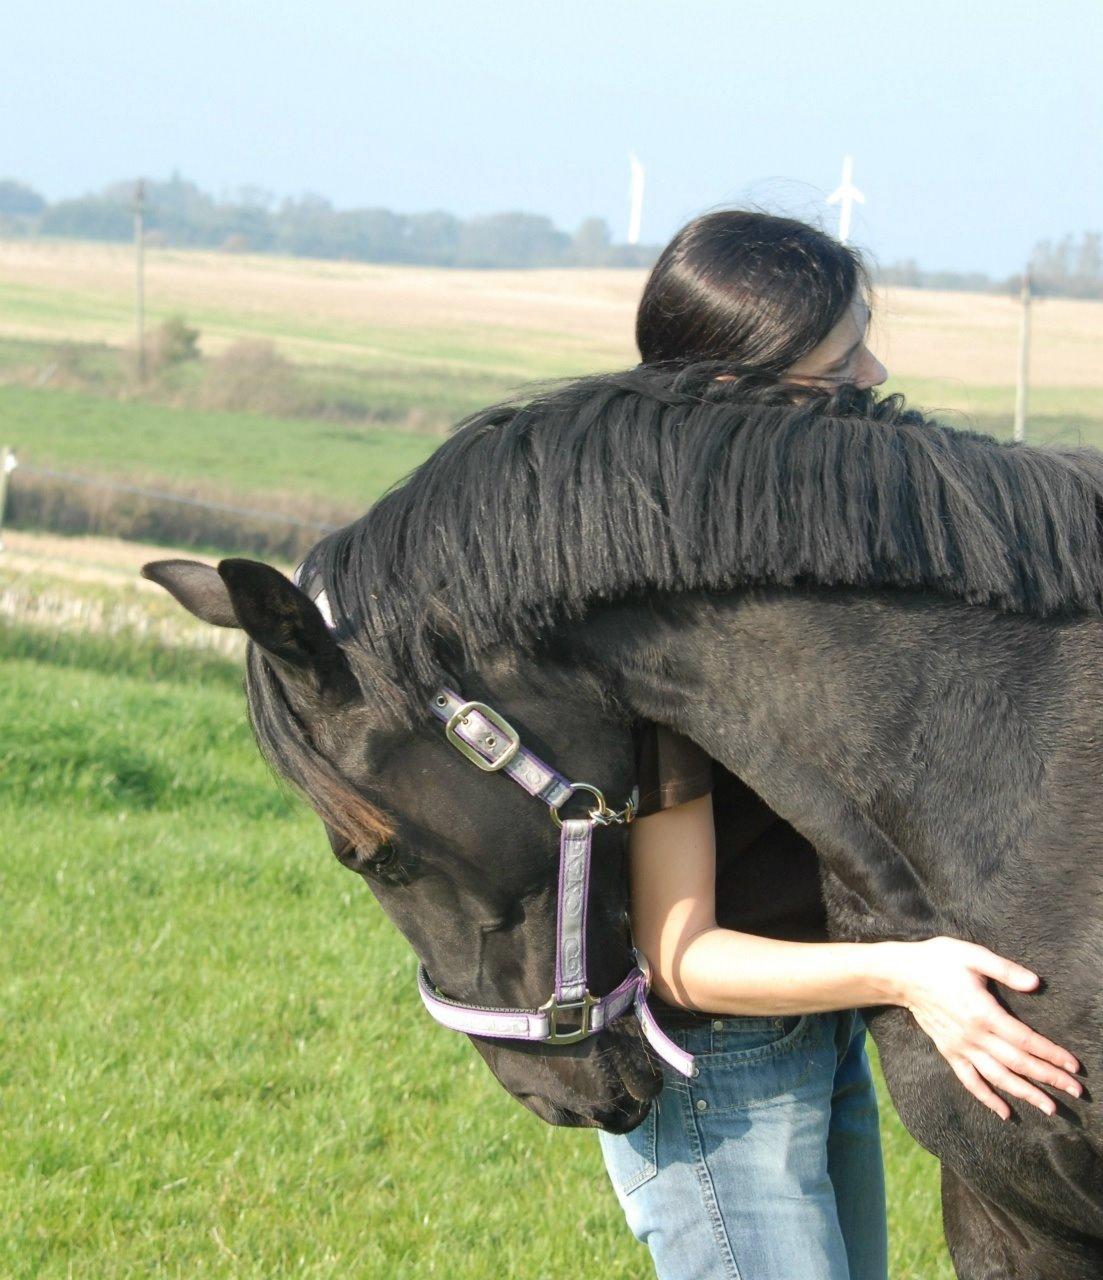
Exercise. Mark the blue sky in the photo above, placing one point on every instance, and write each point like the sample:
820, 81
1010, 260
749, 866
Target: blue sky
977, 129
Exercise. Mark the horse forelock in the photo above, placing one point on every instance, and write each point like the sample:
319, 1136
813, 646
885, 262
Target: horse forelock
654, 480
286, 744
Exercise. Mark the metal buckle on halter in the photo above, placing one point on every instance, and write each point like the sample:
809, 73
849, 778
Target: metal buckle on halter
554, 1011
466, 749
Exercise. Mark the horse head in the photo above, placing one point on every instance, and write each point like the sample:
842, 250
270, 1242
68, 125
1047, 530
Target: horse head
464, 863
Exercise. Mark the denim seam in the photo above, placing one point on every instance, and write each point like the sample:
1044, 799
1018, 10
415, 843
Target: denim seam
651, 1165
708, 1189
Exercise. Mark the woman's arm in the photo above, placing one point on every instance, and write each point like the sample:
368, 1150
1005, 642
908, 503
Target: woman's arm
943, 981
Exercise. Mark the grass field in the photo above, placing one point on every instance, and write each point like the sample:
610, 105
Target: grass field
272, 461
215, 1062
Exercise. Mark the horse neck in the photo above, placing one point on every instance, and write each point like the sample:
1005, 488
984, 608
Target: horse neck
910, 739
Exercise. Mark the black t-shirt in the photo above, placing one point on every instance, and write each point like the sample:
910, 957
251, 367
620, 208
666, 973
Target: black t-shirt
767, 874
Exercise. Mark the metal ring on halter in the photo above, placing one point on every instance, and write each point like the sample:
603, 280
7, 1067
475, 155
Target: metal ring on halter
602, 813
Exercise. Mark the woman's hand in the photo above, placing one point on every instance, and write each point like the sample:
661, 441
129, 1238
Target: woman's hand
943, 981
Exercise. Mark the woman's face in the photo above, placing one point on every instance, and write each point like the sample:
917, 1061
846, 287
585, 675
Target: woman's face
842, 356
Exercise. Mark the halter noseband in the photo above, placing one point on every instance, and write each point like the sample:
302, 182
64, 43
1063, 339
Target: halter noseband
571, 1013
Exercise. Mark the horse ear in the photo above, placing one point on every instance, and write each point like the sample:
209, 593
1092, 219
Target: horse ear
269, 608
198, 588
286, 624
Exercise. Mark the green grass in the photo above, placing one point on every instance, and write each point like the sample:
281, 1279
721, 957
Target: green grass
1056, 415
246, 454
215, 1062
382, 392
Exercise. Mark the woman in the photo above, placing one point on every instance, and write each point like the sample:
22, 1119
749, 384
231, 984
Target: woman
766, 1165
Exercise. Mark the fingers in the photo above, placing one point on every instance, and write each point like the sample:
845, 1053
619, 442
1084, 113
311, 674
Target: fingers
970, 1077
1021, 1037
1012, 975
1033, 1068
997, 1074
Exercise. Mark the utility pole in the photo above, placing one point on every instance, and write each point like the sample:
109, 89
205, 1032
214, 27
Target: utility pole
1021, 385
139, 277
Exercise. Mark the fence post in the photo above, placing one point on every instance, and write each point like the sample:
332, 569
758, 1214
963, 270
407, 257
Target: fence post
7, 466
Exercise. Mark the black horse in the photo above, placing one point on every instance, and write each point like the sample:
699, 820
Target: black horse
890, 630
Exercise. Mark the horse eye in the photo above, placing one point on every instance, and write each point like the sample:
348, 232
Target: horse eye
383, 854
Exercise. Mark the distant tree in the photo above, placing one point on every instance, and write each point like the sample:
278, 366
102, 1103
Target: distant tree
633, 255
302, 226
241, 224
432, 238
591, 243
511, 240
372, 235
17, 200
1070, 267
906, 272
1089, 259
91, 218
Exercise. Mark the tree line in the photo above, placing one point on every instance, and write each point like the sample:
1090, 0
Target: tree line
1071, 267
179, 213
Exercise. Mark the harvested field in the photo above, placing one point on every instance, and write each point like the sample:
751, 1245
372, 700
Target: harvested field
557, 320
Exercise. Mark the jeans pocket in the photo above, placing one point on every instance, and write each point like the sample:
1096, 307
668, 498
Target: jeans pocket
630, 1158
752, 1061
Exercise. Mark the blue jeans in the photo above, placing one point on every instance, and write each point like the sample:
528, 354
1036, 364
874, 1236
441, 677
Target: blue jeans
767, 1164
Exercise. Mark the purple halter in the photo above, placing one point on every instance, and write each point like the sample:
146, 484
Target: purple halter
571, 1013
486, 739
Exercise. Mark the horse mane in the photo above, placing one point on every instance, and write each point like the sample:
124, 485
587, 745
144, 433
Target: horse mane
667, 480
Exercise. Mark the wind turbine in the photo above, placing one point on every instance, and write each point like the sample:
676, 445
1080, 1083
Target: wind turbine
845, 195
635, 197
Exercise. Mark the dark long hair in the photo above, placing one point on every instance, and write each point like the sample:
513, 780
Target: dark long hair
751, 289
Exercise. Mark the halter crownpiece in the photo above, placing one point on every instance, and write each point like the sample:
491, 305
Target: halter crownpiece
571, 1013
